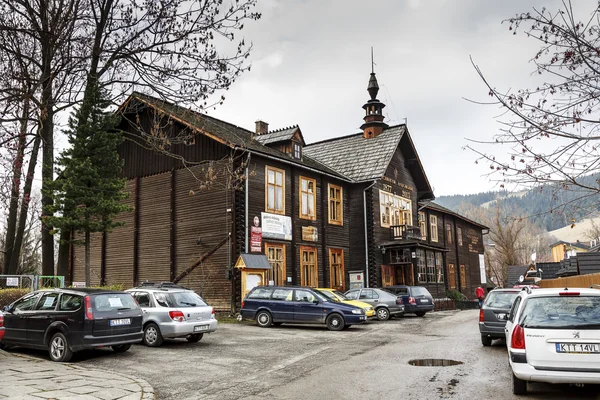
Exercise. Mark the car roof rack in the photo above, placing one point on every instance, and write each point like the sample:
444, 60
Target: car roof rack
162, 285
595, 286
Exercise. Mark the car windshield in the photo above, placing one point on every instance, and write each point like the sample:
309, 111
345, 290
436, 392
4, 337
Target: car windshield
325, 295
179, 299
562, 312
500, 299
114, 302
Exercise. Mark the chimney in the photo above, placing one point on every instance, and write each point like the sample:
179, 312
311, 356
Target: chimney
262, 127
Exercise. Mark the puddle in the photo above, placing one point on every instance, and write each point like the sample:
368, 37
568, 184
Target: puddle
434, 362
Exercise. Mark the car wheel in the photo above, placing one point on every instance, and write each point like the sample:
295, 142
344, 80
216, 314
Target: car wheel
196, 337
59, 348
152, 336
264, 319
420, 314
486, 340
519, 385
121, 348
335, 322
383, 314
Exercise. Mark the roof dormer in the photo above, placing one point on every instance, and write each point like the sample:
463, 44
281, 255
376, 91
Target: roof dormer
287, 140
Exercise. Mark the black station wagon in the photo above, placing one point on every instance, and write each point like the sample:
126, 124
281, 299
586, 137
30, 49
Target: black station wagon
64, 321
273, 305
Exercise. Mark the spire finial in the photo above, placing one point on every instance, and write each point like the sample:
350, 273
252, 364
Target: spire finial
372, 62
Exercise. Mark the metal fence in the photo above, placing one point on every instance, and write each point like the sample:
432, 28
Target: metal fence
14, 286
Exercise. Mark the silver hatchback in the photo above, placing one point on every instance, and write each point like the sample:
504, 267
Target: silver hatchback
172, 311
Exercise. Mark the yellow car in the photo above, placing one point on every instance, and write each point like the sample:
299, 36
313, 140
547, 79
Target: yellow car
339, 297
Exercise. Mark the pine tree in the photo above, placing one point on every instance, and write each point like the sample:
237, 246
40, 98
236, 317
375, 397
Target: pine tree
88, 190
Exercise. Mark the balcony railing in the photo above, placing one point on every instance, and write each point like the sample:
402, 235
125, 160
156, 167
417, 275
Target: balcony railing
405, 232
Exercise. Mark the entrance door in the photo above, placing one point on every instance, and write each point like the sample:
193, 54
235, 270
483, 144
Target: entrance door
388, 275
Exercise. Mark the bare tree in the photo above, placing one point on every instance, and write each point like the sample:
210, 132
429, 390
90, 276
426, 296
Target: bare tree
550, 133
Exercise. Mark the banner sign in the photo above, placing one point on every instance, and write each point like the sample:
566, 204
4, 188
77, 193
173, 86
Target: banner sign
256, 239
276, 226
482, 268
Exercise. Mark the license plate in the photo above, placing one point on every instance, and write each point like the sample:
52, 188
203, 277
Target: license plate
119, 322
425, 301
200, 328
581, 348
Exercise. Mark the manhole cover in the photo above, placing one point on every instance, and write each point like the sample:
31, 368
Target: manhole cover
434, 362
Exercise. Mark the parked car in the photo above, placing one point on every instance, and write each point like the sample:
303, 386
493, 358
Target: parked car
553, 336
65, 321
416, 299
492, 315
274, 305
336, 295
172, 311
385, 303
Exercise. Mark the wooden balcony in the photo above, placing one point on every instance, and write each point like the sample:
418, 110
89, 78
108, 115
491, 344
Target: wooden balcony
405, 232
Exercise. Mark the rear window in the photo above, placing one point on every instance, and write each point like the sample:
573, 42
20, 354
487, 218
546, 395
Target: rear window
420, 291
562, 312
113, 302
500, 299
261, 294
179, 300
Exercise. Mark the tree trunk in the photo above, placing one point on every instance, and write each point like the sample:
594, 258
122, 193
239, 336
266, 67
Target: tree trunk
11, 251
47, 132
62, 267
14, 262
87, 258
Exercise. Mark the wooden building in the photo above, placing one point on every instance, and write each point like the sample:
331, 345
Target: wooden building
354, 210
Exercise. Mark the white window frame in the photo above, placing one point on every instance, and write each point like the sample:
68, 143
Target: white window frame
433, 221
394, 210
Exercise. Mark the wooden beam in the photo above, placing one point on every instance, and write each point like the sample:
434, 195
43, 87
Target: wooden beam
199, 261
103, 260
172, 233
136, 231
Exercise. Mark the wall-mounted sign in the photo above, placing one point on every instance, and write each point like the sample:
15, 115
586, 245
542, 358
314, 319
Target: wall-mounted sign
310, 234
255, 239
482, 268
12, 281
276, 226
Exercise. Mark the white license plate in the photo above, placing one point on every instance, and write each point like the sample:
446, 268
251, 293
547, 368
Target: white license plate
581, 348
120, 322
200, 328
425, 301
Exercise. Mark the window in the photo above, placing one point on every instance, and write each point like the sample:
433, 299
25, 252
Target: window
26, 303
261, 294
143, 299
439, 268
47, 302
430, 266
275, 190
336, 210
304, 295
463, 276
69, 302
421, 266
308, 201
282, 294
276, 257
449, 233
309, 275
514, 308
352, 295
459, 236
395, 210
423, 225
433, 228
368, 294
297, 151
336, 268
451, 276
111, 302
187, 299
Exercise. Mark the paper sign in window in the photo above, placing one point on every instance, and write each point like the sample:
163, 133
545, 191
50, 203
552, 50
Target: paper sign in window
115, 302
49, 302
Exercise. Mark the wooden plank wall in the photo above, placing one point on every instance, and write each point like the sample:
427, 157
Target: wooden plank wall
579, 281
154, 229
95, 259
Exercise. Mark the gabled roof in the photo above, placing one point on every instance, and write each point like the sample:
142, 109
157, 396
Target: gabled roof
434, 206
280, 135
223, 132
356, 157
574, 244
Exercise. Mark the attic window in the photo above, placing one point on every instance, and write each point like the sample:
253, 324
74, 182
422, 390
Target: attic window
297, 151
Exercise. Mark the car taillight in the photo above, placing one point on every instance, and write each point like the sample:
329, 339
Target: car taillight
398, 300
568, 293
213, 312
176, 316
1, 320
89, 314
481, 315
243, 304
517, 340
411, 300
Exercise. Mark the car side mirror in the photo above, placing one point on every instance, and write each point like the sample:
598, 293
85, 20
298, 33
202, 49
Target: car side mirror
315, 301
6, 309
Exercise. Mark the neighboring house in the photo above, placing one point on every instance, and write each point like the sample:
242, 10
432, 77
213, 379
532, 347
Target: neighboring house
354, 210
562, 250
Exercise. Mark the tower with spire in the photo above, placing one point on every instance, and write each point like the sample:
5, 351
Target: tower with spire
373, 125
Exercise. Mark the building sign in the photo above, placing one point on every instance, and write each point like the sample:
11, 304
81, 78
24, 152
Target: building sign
78, 284
276, 226
256, 239
482, 268
405, 190
473, 241
310, 234
12, 281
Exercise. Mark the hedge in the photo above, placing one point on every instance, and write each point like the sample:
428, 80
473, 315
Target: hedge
7, 296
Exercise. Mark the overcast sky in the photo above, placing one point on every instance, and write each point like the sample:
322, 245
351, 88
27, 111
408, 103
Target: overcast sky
311, 63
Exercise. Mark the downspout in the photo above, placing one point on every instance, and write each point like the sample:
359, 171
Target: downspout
366, 239
246, 204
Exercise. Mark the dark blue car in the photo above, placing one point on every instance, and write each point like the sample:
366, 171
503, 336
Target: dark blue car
274, 305
416, 299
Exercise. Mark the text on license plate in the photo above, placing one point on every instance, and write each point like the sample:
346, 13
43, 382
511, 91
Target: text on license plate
425, 301
585, 348
200, 328
119, 322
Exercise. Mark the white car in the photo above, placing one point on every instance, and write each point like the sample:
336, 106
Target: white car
553, 336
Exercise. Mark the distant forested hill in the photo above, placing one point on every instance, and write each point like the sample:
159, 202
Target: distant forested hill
566, 205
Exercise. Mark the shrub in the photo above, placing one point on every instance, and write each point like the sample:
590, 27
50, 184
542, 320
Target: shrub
116, 286
7, 296
456, 295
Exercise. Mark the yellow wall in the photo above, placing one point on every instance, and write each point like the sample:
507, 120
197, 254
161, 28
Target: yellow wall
558, 251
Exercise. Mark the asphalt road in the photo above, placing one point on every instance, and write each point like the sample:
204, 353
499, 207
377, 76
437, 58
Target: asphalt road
243, 361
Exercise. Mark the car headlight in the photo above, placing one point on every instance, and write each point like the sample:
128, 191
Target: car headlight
357, 311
